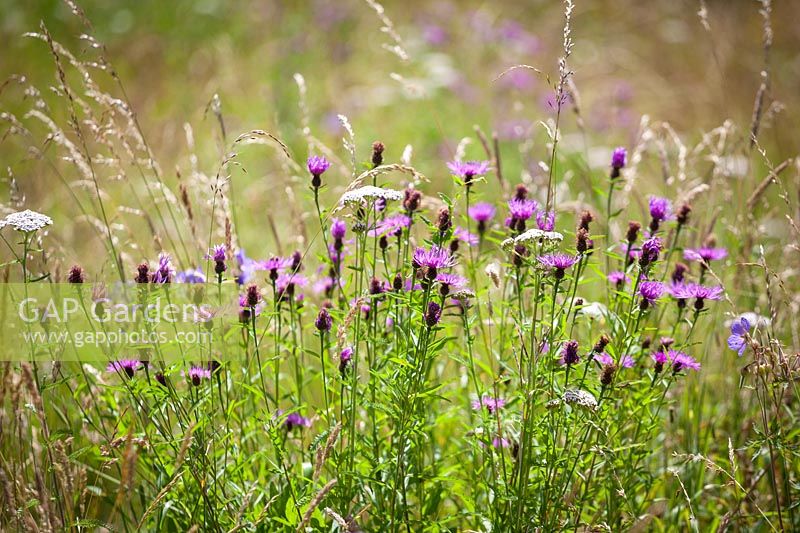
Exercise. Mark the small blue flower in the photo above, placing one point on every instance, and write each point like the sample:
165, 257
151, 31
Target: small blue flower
739, 330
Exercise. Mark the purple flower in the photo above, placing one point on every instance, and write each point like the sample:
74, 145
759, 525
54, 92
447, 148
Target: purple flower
522, 208
681, 360
345, 357
433, 314
324, 321
685, 291
705, 254
466, 170
128, 366
286, 283
391, 226
433, 259
193, 275
650, 291
338, 229
660, 359
296, 420
165, 271
275, 264
481, 212
660, 208
606, 360
739, 332
651, 248
619, 158
490, 403
618, 278
218, 253
569, 353
453, 280
463, 235
317, 165
546, 220
557, 262
197, 374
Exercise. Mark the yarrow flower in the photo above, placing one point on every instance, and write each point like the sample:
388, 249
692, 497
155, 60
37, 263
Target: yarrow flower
26, 221
650, 291
581, 398
558, 263
490, 403
466, 170
197, 374
128, 366
705, 254
360, 196
740, 329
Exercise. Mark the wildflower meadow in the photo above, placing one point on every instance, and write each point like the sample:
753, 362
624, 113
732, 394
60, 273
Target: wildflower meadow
350, 266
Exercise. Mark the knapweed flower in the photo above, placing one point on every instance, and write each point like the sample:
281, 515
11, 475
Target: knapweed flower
685, 291
142, 273
197, 374
481, 213
252, 297
740, 329
296, 420
75, 275
247, 267
463, 235
391, 226
316, 166
431, 261
680, 360
286, 283
165, 271
466, 170
274, 265
26, 221
558, 263
520, 209
660, 210
324, 322
433, 314
651, 248
660, 359
338, 229
219, 256
569, 353
450, 282
546, 220
362, 195
618, 161
128, 366
411, 200
490, 403
705, 254
618, 278
345, 357
604, 359
650, 291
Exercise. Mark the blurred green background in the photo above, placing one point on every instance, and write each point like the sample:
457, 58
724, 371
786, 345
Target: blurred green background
630, 59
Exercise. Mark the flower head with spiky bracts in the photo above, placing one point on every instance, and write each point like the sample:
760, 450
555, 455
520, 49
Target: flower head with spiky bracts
557, 263
618, 278
705, 254
467, 170
686, 291
520, 209
660, 210
126, 366
650, 291
490, 403
165, 271
296, 420
569, 353
463, 235
391, 226
546, 220
197, 374
481, 213
651, 248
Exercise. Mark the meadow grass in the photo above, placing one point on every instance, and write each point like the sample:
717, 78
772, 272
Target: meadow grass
512, 337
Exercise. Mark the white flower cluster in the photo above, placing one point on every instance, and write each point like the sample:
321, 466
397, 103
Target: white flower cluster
26, 221
547, 239
369, 192
581, 398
